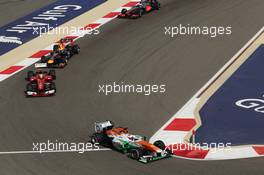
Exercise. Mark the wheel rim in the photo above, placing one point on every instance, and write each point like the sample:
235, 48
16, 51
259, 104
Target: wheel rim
93, 140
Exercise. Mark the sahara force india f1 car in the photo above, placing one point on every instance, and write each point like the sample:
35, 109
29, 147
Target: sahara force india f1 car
40, 83
135, 146
59, 57
138, 10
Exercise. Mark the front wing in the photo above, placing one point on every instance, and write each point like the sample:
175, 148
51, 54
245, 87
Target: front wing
151, 158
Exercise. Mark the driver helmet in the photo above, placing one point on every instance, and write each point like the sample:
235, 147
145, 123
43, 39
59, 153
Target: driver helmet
39, 71
131, 137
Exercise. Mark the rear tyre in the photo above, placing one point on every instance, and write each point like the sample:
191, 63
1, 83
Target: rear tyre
69, 51
30, 74
55, 48
52, 73
157, 6
44, 59
160, 144
123, 11
76, 49
97, 138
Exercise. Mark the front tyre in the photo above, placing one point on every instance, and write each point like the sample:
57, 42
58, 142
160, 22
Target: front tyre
62, 62
135, 154
53, 86
160, 144
29, 87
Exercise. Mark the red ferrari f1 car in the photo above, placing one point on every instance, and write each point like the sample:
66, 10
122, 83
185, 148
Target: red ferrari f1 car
141, 8
40, 83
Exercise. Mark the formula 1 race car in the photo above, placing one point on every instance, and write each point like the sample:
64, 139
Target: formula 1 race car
59, 57
135, 146
138, 10
40, 83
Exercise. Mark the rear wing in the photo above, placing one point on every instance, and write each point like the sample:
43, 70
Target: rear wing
41, 65
103, 126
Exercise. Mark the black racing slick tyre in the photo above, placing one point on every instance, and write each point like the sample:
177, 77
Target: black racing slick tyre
160, 144
32, 87
97, 138
55, 48
29, 75
140, 13
53, 86
135, 154
157, 6
68, 55
62, 62
76, 49
52, 73
68, 51
43, 59
29, 87
123, 11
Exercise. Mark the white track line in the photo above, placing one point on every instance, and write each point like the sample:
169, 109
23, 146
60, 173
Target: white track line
53, 151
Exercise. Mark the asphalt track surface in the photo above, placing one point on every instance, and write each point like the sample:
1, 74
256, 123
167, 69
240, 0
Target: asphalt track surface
14, 9
133, 51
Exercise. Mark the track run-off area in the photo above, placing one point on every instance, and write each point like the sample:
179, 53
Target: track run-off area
132, 51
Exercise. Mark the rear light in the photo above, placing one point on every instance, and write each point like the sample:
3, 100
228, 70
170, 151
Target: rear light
50, 61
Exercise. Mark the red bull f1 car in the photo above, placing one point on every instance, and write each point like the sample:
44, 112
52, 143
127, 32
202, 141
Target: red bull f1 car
135, 146
59, 57
40, 83
143, 7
